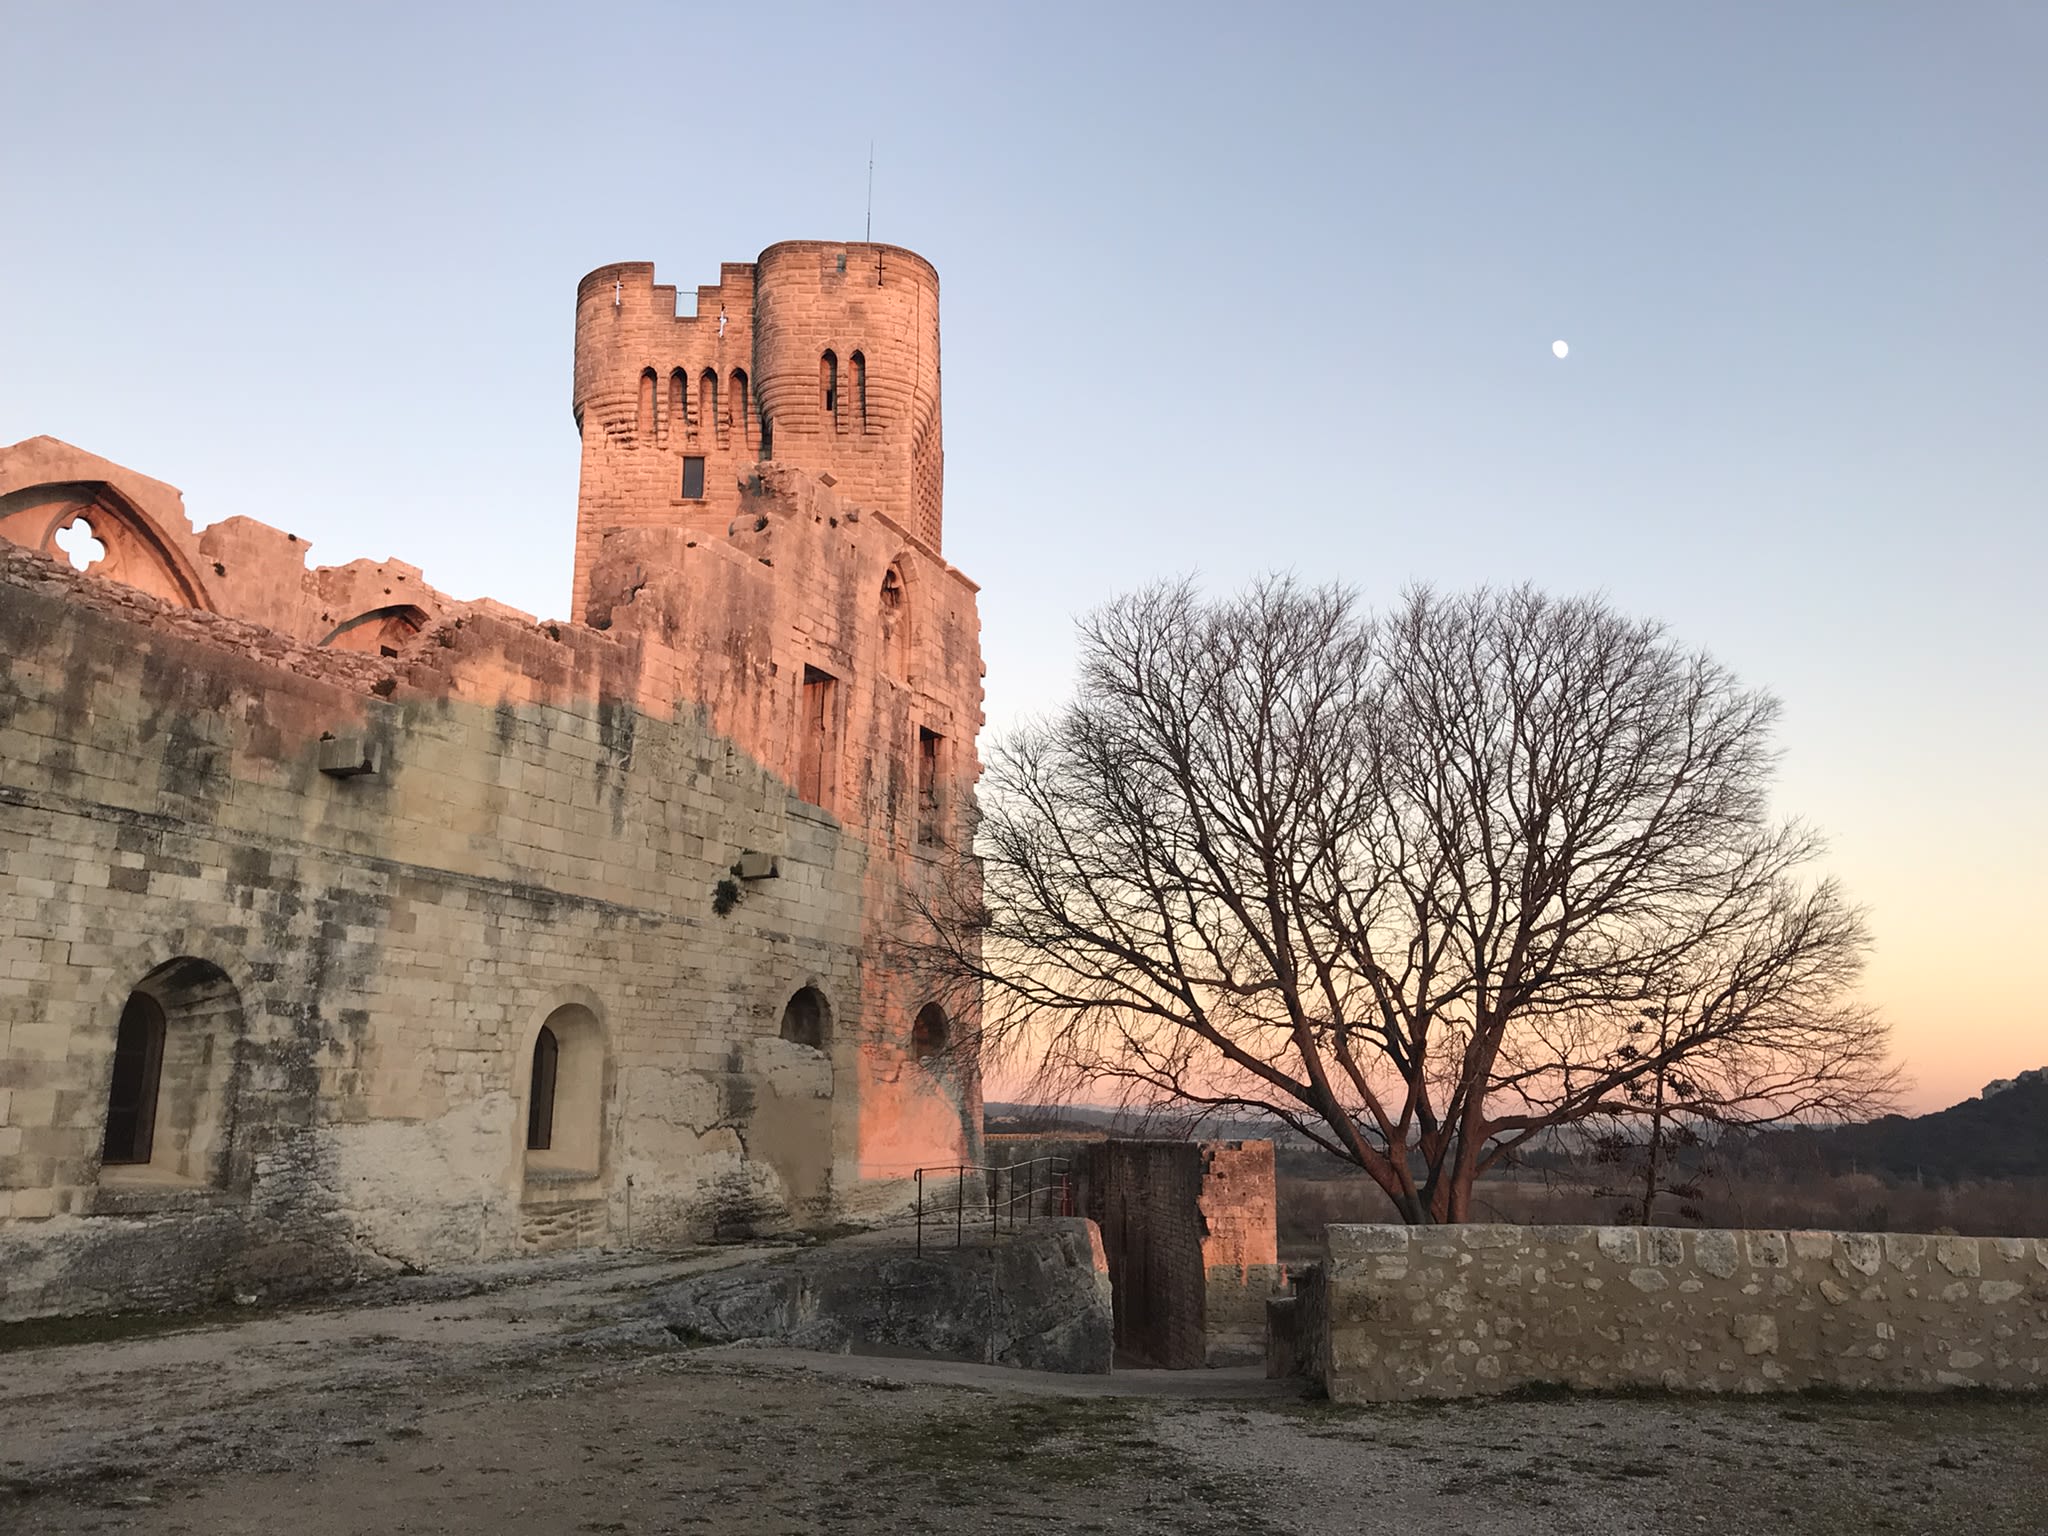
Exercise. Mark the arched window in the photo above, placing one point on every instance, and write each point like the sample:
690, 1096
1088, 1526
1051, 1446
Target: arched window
540, 1095
565, 1096
828, 384
678, 403
171, 1084
738, 402
138, 1067
807, 1020
643, 423
707, 401
381, 631
93, 527
860, 387
929, 1031
895, 624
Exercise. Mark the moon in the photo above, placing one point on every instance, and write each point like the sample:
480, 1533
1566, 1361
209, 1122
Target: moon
1559, 350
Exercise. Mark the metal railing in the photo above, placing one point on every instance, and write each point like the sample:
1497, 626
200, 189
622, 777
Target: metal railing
1010, 1196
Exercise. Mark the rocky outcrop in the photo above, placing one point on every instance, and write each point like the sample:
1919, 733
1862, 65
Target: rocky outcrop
1038, 1300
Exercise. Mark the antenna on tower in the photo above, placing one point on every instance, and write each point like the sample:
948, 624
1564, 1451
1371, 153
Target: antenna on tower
871, 211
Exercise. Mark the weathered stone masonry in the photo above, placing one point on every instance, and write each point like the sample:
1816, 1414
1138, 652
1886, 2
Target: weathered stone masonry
357, 843
1452, 1311
1188, 1229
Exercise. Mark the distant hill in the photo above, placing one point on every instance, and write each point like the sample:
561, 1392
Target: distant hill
1166, 1123
2001, 1135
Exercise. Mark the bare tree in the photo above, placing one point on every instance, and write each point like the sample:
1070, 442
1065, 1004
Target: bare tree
1426, 888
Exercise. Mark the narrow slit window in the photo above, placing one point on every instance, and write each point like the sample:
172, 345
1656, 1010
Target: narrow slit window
860, 387
693, 477
540, 1099
828, 384
707, 401
138, 1067
738, 401
895, 625
643, 425
929, 746
678, 403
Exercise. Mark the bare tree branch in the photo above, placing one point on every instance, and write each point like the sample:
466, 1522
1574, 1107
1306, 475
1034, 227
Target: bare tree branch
1427, 887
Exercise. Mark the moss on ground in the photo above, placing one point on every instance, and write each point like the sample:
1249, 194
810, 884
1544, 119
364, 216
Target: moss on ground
104, 1328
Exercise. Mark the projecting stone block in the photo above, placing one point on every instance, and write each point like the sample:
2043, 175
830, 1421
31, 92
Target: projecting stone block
347, 757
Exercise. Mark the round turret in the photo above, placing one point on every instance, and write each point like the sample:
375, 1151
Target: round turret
822, 355
846, 351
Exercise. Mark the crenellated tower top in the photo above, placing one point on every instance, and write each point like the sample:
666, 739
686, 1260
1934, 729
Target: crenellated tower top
819, 354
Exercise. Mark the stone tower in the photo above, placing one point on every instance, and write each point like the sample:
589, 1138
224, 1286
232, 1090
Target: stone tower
821, 355
455, 934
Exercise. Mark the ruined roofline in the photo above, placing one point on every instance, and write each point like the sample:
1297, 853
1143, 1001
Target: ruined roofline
782, 476
945, 566
20, 461
239, 538
420, 665
46, 460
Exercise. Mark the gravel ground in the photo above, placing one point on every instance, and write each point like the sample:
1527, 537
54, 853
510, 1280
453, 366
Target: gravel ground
516, 1403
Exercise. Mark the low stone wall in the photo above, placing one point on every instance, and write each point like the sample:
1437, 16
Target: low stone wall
1456, 1311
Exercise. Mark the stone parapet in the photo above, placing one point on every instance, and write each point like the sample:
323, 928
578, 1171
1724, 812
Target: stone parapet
1458, 1311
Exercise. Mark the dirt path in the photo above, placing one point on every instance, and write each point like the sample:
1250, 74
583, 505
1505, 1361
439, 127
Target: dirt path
516, 1403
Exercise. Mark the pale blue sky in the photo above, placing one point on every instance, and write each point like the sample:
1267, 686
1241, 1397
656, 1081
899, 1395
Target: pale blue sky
1225, 288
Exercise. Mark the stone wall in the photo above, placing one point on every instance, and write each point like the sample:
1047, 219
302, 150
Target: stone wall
1240, 1248
1454, 1311
1189, 1230
548, 818
1151, 1231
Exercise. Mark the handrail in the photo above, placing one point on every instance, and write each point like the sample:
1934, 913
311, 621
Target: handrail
999, 1187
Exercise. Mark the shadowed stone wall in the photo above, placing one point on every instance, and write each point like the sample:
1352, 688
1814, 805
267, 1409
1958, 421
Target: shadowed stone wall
1455, 1311
1189, 1229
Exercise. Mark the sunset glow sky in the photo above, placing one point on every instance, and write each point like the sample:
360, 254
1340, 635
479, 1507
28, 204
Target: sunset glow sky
1225, 289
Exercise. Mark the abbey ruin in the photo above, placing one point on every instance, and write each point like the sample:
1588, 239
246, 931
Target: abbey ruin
349, 927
